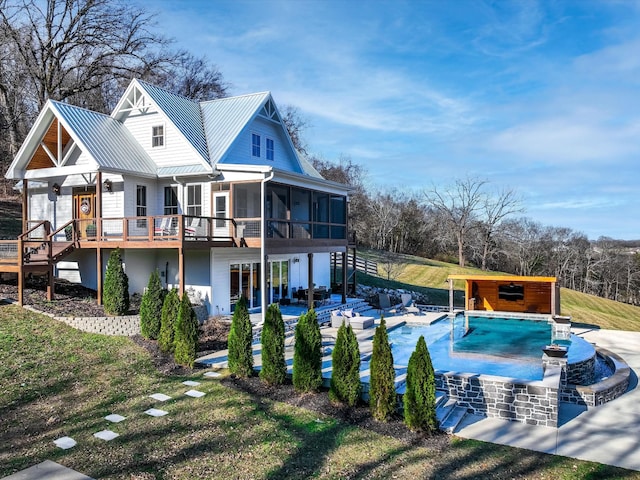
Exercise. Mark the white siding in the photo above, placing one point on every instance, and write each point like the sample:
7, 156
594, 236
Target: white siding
176, 150
45, 205
220, 261
284, 158
80, 267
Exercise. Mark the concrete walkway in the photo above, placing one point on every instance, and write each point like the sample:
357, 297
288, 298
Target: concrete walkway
608, 434
47, 470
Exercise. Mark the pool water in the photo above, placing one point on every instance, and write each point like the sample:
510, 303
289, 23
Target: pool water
491, 346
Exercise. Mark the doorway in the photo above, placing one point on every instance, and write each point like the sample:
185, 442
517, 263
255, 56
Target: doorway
84, 209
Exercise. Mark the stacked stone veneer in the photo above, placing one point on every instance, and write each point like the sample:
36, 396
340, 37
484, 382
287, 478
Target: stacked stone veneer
533, 403
601, 392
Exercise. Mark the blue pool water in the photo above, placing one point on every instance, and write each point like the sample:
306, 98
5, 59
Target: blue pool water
492, 346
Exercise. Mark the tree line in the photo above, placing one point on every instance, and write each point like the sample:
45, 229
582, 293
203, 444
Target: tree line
471, 223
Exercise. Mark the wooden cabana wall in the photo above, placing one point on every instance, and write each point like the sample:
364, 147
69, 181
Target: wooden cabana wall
507, 293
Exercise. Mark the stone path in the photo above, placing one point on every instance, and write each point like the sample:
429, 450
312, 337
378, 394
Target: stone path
49, 470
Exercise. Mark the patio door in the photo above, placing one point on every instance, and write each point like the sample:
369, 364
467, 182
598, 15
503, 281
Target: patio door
221, 226
278, 280
84, 209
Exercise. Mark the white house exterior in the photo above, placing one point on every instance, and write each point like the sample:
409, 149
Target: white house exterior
212, 194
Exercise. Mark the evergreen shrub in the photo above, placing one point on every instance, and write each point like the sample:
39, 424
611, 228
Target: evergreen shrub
274, 369
345, 378
382, 392
151, 307
240, 340
115, 297
185, 334
307, 354
420, 396
169, 315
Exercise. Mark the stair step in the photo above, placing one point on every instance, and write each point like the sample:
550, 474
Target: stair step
453, 419
440, 397
444, 409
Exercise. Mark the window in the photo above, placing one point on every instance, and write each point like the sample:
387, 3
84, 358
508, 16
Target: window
170, 200
255, 145
157, 136
511, 292
194, 200
141, 205
270, 149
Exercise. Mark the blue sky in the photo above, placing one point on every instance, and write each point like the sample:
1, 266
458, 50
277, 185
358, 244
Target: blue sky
539, 97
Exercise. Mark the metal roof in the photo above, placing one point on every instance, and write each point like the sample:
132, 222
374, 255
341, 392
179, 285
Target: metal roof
225, 118
182, 170
183, 113
107, 140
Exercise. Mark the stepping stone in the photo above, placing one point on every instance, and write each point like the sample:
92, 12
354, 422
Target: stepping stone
212, 374
115, 418
106, 435
190, 383
195, 393
65, 443
154, 412
161, 397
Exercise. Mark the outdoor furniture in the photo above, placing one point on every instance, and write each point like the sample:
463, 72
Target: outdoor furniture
408, 306
349, 317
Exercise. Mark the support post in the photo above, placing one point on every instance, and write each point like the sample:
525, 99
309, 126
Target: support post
181, 271
20, 272
344, 277
99, 276
354, 269
553, 300
25, 204
450, 295
50, 283
99, 206
311, 288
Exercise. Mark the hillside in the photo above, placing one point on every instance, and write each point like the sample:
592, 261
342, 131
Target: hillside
429, 276
11, 215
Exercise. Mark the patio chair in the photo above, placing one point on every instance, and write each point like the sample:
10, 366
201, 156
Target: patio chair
191, 229
408, 305
164, 228
385, 302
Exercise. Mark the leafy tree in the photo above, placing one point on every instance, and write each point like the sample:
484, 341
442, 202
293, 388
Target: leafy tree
307, 354
151, 307
186, 334
240, 339
382, 391
420, 396
116, 286
345, 379
170, 308
274, 368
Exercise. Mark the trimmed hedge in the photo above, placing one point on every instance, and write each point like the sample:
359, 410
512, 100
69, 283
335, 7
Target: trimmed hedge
345, 379
115, 295
274, 369
151, 307
307, 354
169, 315
239, 341
420, 396
382, 392
185, 334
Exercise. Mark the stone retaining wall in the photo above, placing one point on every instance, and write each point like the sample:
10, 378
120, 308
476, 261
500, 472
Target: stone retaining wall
127, 325
582, 373
533, 403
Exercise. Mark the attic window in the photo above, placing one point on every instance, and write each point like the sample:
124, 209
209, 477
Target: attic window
255, 145
157, 136
270, 149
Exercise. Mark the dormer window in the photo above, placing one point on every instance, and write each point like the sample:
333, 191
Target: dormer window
157, 136
255, 145
270, 149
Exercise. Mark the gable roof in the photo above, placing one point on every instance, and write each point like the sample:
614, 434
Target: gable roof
107, 141
225, 118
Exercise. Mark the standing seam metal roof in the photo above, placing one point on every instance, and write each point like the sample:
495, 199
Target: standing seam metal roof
183, 113
107, 140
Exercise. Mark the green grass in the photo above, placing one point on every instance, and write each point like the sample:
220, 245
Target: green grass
57, 381
429, 277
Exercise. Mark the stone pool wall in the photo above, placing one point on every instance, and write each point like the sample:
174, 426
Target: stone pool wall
533, 403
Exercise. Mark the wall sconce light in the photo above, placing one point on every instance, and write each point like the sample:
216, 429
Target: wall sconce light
55, 188
108, 185
296, 260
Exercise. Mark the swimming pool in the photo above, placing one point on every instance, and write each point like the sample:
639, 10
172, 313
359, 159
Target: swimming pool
504, 347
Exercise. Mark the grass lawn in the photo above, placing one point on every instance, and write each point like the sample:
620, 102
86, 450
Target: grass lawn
57, 381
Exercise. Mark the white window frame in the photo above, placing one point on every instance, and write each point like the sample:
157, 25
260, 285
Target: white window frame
162, 137
171, 207
270, 152
197, 205
140, 207
255, 148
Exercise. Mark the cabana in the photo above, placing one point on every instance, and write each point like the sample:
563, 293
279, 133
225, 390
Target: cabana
509, 293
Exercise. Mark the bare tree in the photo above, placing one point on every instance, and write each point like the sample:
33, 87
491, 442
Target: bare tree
392, 264
495, 209
459, 206
296, 125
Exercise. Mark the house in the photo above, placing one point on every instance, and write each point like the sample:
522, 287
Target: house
212, 194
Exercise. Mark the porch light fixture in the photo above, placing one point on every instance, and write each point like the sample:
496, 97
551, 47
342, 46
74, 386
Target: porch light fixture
108, 185
55, 188
296, 260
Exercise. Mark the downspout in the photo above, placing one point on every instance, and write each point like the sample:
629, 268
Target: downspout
263, 257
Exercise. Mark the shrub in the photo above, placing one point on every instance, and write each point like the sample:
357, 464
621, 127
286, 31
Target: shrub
240, 339
185, 334
115, 296
382, 392
151, 307
274, 369
307, 354
169, 315
345, 358
420, 395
